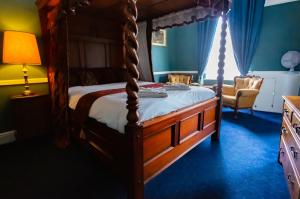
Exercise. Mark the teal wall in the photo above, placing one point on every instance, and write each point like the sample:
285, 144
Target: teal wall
163, 55
280, 33
186, 48
19, 15
180, 52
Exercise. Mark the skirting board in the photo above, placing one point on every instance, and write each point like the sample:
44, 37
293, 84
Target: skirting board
21, 81
7, 137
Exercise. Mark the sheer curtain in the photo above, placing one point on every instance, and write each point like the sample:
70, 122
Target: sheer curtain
230, 70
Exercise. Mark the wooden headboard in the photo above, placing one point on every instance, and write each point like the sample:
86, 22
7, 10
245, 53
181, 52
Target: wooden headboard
94, 59
94, 52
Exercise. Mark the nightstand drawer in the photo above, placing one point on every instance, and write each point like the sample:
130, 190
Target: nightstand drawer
31, 115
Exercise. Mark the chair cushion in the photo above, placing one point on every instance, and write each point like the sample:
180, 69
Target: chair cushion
229, 100
241, 83
256, 83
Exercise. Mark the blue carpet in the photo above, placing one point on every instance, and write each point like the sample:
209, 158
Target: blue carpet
243, 165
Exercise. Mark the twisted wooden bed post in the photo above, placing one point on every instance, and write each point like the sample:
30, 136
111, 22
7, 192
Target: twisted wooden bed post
220, 77
132, 129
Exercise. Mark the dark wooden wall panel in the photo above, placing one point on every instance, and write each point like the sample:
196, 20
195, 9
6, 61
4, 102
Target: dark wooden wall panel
95, 55
83, 24
95, 42
74, 54
93, 52
116, 51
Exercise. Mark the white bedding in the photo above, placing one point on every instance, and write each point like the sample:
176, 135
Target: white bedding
111, 109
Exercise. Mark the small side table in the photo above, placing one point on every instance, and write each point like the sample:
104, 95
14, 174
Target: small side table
31, 115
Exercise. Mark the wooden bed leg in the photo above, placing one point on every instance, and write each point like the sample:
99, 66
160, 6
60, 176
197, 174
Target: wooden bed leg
220, 78
135, 179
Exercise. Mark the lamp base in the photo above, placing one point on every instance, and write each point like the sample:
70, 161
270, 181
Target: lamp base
27, 91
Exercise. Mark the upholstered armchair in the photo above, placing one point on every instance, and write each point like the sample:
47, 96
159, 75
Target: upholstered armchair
242, 94
180, 78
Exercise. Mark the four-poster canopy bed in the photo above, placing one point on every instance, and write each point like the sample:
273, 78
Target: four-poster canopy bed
95, 42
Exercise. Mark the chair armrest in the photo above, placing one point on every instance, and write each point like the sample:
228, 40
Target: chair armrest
247, 92
228, 90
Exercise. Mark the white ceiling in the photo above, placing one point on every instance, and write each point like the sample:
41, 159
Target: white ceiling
275, 2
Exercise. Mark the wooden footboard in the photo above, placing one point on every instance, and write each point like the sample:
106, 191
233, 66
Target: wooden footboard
167, 138
163, 140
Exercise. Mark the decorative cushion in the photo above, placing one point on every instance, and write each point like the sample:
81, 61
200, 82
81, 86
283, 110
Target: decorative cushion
89, 79
74, 78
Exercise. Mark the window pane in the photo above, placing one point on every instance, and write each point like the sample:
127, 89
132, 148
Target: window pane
230, 69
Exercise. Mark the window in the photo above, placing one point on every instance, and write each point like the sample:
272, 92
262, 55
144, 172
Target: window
230, 69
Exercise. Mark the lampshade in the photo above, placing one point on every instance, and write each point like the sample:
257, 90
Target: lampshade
20, 48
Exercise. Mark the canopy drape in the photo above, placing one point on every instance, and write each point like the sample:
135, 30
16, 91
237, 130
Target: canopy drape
144, 53
54, 30
206, 32
245, 21
187, 16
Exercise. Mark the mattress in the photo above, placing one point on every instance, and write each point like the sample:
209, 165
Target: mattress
111, 109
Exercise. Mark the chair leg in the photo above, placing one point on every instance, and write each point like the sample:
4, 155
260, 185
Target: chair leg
235, 113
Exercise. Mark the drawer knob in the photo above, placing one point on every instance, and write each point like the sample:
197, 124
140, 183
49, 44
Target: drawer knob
286, 111
290, 179
281, 151
283, 130
294, 152
297, 128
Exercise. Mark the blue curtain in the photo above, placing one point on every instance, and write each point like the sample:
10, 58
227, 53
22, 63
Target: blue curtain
206, 32
245, 20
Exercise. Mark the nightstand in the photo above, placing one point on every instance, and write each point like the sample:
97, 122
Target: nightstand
31, 115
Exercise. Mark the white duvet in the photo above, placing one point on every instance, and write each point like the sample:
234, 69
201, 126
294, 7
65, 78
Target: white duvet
111, 109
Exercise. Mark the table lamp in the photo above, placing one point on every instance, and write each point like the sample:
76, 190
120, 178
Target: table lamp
21, 48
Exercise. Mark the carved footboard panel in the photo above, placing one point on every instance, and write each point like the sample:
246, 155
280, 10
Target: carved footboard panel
167, 138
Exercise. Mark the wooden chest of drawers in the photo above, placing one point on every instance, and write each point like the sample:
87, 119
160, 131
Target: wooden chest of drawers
289, 151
